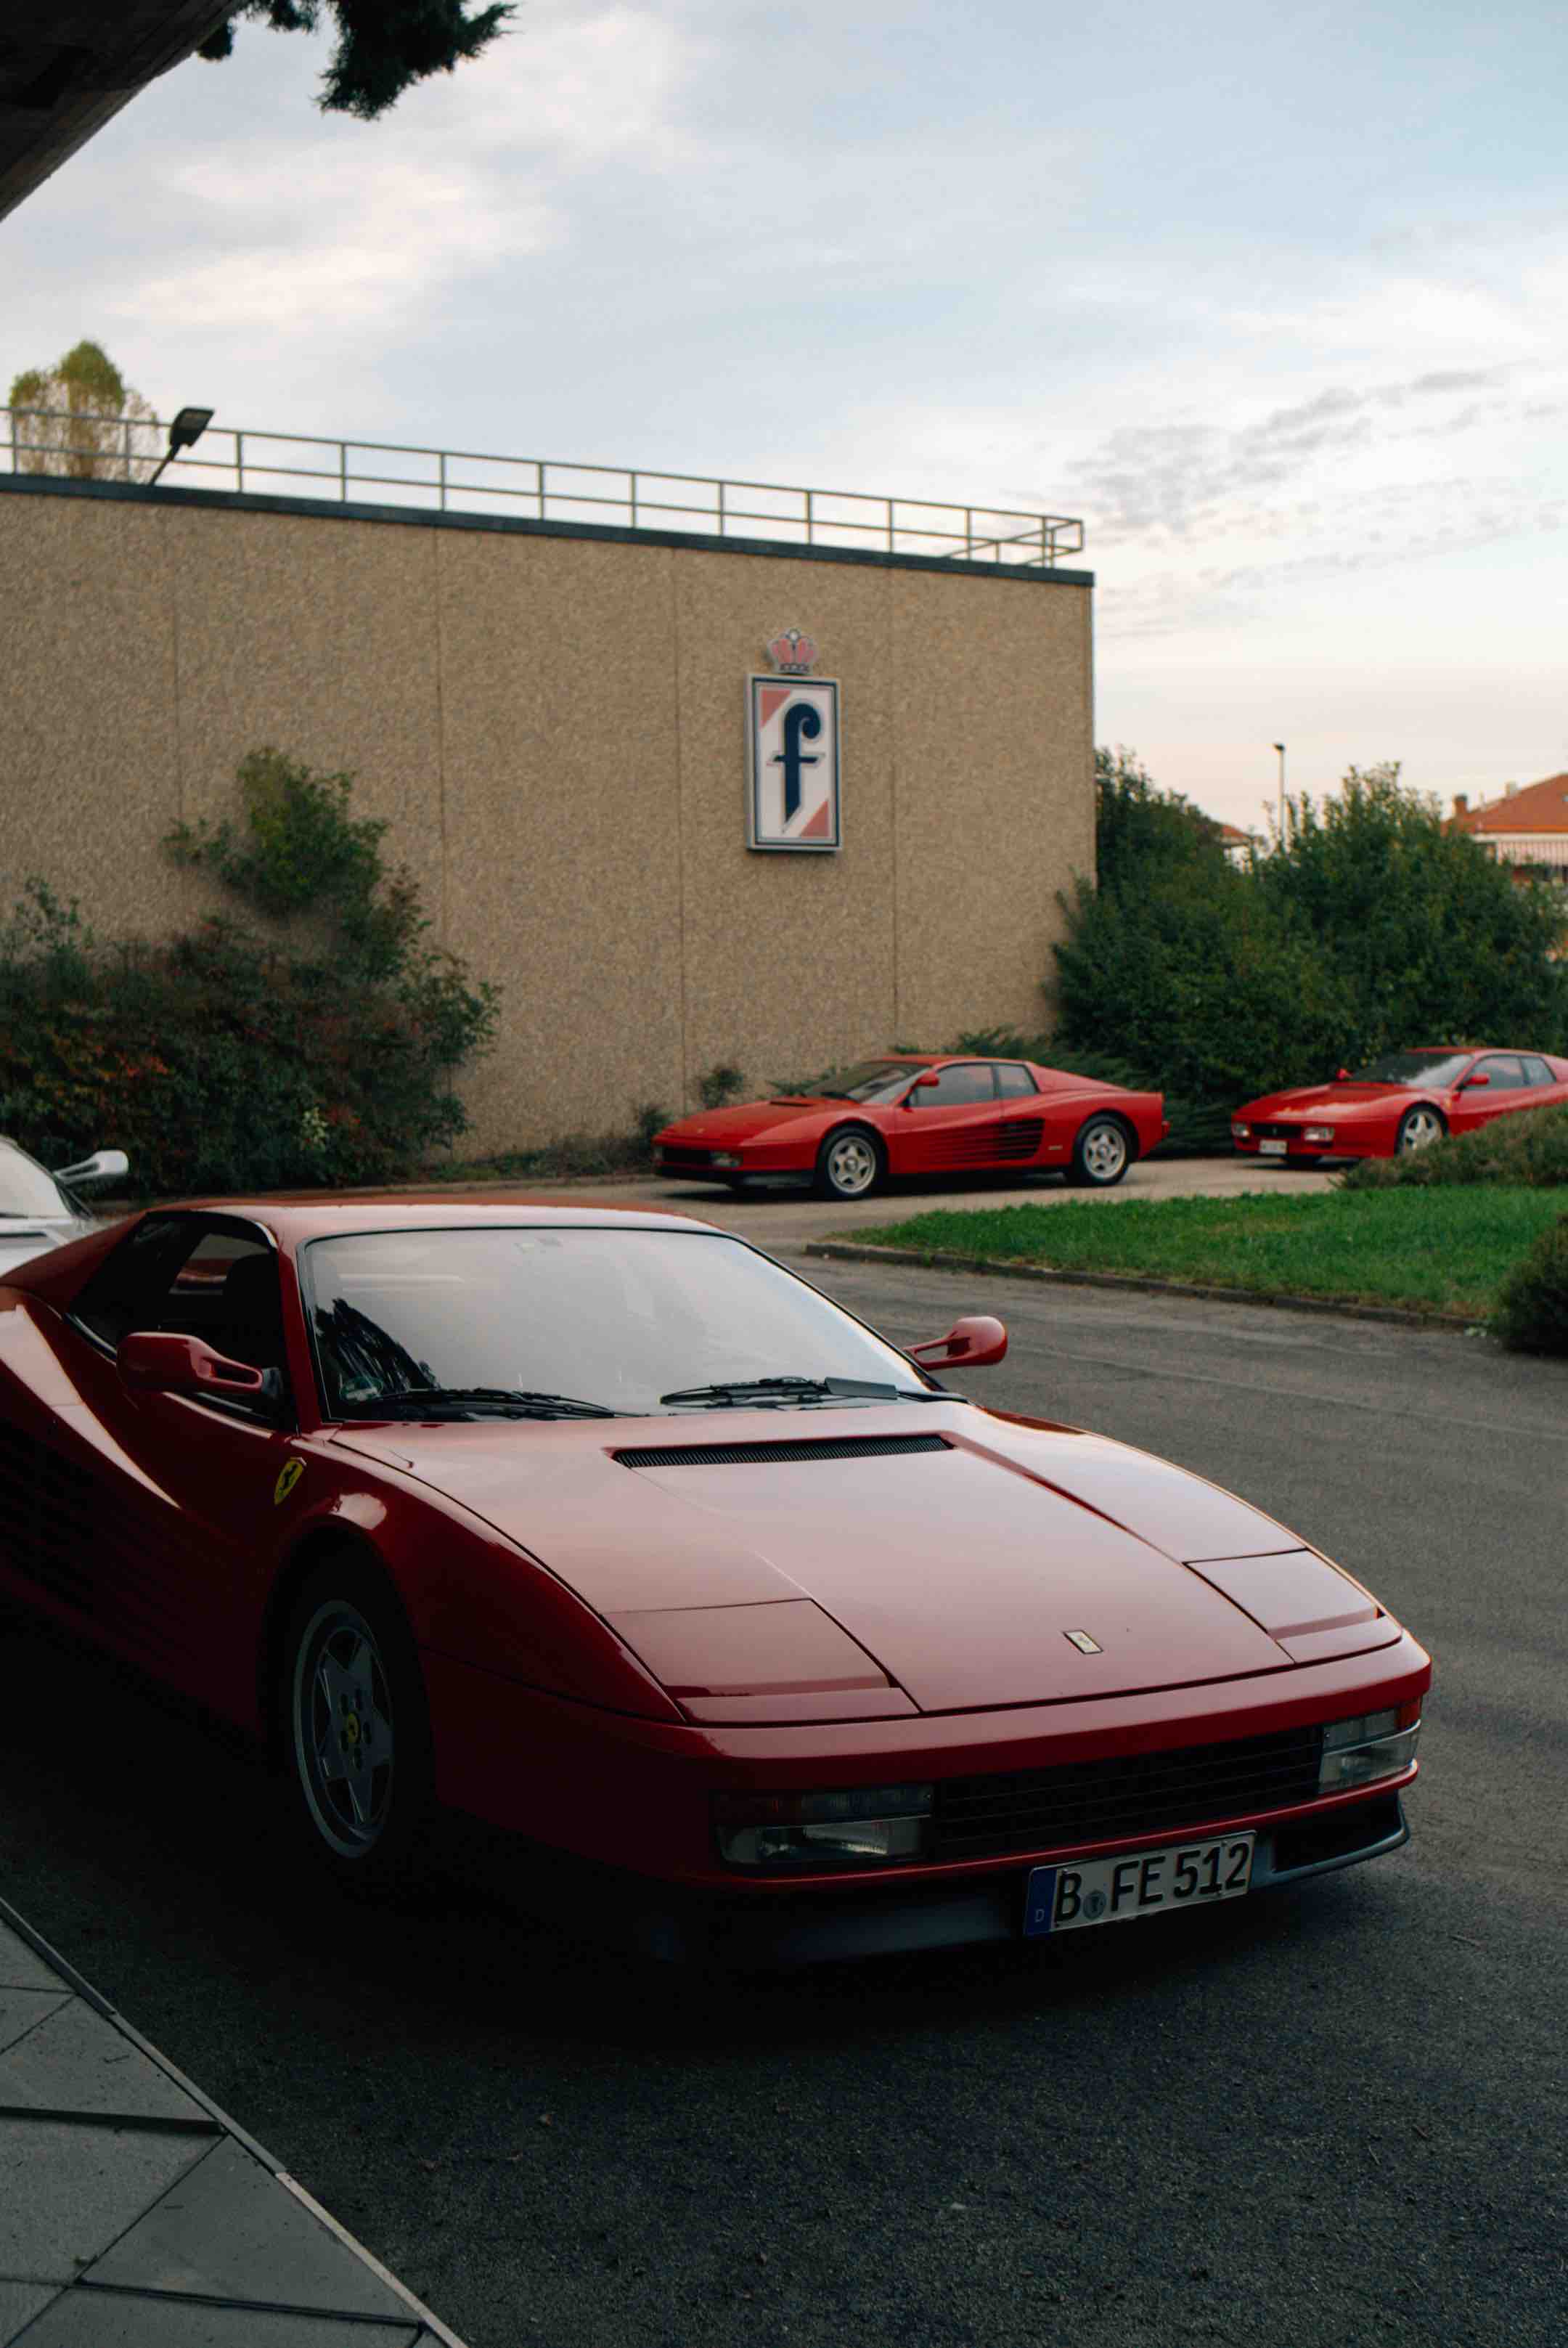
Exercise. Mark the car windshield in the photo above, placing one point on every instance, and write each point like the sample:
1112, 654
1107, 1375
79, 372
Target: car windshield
616, 1318
871, 1080
1436, 1068
26, 1188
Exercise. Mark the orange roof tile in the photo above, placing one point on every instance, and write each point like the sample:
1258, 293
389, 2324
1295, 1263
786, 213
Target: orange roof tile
1539, 807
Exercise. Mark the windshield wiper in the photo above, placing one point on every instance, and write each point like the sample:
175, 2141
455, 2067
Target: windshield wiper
470, 1402
739, 1391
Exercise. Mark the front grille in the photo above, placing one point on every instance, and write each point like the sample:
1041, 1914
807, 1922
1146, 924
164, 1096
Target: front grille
765, 1455
685, 1161
1135, 1794
1277, 1132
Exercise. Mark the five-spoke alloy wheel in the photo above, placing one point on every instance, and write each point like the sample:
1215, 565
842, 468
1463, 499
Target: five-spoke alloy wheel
849, 1165
357, 1736
1419, 1128
1101, 1155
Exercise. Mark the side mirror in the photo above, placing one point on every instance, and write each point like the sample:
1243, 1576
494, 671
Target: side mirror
103, 1165
920, 1085
1342, 1075
1473, 1080
969, 1345
160, 1362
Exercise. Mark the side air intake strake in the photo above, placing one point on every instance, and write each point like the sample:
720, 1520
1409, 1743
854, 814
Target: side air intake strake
768, 1454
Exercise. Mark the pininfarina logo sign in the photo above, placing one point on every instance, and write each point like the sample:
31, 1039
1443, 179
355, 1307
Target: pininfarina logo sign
792, 741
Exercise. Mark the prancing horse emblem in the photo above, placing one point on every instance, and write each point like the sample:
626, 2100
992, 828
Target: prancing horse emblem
1083, 1643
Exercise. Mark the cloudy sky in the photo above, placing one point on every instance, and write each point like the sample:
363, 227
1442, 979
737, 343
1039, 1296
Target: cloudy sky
1275, 300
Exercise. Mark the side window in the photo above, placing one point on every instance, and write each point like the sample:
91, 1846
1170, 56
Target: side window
969, 1081
1536, 1072
1013, 1081
1505, 1071
127, 1291
226, 1292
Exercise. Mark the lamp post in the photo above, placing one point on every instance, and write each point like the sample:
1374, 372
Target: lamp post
1280, 747
184, 433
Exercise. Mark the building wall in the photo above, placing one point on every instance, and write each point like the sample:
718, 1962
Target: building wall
554, 724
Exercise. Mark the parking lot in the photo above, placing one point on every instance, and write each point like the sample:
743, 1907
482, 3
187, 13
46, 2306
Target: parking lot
1335, 2117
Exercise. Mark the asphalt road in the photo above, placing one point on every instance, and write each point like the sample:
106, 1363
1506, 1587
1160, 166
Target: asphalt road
1334, 2117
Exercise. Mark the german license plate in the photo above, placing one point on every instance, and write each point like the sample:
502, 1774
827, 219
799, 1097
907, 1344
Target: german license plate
1272, 1148
1140, 1883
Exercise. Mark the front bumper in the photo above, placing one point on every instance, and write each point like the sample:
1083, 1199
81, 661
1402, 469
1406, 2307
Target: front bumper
790, 1928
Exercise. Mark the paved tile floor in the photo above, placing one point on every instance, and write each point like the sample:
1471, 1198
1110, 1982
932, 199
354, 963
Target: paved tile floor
134, 2214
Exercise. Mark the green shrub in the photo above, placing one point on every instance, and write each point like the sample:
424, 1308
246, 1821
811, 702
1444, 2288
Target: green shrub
1531, 1313
1527, 1151
222, 1061
720, 1085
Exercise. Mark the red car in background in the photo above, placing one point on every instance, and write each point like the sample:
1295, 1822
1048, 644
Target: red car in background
607, 1530
1401, 1102
921, 1113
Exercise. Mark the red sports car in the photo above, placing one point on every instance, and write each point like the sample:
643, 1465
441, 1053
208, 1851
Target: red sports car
612, 1533
1400, 1102
921, 1113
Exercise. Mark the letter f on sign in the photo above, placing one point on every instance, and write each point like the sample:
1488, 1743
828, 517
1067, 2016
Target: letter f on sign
801, 719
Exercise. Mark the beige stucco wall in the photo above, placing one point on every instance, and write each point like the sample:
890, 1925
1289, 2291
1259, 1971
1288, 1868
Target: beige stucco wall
554, 727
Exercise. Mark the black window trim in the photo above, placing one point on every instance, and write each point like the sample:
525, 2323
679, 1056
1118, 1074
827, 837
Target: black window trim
283, 1415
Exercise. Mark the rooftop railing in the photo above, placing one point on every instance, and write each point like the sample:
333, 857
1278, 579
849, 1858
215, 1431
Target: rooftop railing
442, 481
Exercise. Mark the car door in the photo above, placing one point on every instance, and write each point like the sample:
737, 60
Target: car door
1542, 1088
947, 1122
184, 1490
1504, 1089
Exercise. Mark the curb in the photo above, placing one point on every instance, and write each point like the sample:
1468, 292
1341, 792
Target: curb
223, 2125
1454, 1324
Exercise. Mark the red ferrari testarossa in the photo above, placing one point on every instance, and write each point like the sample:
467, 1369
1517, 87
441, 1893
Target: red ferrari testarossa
607, 1530
921, 1113
1401, 1102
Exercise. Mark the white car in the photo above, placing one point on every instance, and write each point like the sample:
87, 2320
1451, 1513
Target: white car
38, 1210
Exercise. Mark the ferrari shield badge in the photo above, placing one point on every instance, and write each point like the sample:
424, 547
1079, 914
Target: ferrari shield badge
288, 1477
792, 741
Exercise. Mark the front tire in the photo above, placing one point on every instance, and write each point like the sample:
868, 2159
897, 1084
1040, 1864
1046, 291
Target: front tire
1419, 1128
850, 1164
1101, 1155
356, 1729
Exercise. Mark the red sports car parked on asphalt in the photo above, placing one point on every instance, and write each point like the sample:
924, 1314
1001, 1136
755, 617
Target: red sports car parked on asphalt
921, 1113
1400, 1102
608, 1530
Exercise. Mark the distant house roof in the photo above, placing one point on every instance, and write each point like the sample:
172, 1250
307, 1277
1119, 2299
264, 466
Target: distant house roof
1537, 808
1234, 838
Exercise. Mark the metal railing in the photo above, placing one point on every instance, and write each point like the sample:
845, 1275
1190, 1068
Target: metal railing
442, 481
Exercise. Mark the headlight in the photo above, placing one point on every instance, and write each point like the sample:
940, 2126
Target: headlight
867, 1826
1318, 1132
1241, 1133
1374, 1745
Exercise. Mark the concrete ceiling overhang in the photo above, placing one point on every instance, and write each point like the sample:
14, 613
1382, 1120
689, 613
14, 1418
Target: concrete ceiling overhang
67, 65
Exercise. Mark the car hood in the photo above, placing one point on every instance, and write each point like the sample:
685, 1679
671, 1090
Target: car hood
1343, 1100
713, 1128
858, 1563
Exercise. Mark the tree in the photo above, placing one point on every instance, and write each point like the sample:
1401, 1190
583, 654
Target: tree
383, 47
1433, 939
1137, 825
88, 424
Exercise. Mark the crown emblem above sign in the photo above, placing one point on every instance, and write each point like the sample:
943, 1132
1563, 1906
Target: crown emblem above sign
791, 653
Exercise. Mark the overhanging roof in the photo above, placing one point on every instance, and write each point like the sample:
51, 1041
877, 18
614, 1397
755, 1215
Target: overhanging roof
67, 67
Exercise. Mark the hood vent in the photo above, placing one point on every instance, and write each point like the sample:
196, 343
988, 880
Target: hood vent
766, 1454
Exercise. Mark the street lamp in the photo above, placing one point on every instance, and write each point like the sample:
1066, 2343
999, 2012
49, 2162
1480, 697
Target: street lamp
184, 433
1280, 747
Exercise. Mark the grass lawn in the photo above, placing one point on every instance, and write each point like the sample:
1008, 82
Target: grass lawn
1433, 1250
